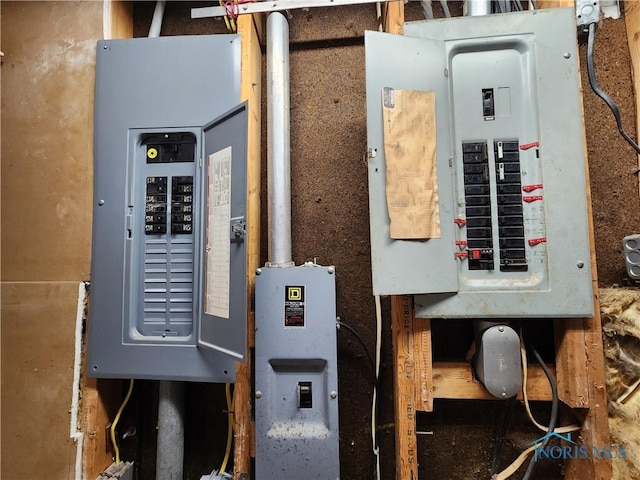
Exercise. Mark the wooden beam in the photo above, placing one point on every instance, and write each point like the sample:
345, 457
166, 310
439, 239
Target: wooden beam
555, 3
632, 21
393, 20
250, 90
455, 380
424, 369
571, 362
121, 21
404, 387
98, 406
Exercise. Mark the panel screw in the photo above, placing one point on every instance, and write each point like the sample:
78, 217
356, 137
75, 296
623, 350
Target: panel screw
503, 394
333, 394
258, 394
580, 264
105, 47
501, 329
258, 271
330, 270
100, 202
567, 55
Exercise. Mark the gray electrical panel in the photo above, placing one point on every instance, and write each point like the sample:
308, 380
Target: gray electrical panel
168, 273
509, 160
296, 406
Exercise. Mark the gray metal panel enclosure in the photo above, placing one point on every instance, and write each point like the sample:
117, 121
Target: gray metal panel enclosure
296, 440
146, 289
515, 214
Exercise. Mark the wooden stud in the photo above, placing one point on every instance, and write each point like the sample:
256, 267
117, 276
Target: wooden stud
250, 90
571, 362
632, 21
393, 20
121, 23
555, 3
404, 387
424, 369
97, 455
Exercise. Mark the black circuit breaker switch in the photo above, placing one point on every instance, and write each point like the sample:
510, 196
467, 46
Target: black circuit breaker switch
488, 105
305, 395
155, 220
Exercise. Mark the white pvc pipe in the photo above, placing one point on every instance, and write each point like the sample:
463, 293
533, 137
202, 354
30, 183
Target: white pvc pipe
156, 21
278, 140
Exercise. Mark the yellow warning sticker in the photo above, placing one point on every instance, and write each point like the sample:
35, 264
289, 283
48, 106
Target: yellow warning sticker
152, 152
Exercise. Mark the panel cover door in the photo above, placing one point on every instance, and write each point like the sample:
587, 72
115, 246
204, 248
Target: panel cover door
408, 266
223, 262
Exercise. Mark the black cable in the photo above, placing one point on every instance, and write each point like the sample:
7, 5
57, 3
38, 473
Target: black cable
502, 432
362, 342
599, 92
554, 410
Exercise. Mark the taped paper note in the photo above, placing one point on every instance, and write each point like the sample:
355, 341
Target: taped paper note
218, 233
409, 118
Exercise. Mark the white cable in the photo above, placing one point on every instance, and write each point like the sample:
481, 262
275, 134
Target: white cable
568, 428
511, 469
374, 413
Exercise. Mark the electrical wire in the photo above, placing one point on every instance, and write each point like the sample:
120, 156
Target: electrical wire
599, 92
362, 342
502, 432
513, 468
227, 453
115, 422
554, 411
525, 397
374, 402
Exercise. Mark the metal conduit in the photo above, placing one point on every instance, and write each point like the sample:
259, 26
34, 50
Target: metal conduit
170, 443
278, 141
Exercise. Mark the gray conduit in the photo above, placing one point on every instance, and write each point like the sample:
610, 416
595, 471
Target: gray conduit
156, 22
170, 447
278, 141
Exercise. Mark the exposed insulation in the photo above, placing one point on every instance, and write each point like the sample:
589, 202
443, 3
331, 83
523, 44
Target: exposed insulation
621, 329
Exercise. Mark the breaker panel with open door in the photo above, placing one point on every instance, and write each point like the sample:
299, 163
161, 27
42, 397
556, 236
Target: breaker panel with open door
168, 280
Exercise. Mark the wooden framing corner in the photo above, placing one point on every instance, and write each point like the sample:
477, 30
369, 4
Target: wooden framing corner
249, 27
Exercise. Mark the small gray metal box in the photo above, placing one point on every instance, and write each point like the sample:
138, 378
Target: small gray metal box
296, 405
156, 151
510, 167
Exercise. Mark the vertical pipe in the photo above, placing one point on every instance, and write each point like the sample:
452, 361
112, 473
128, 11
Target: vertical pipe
170, 447
473, 8
278, 140
156, 21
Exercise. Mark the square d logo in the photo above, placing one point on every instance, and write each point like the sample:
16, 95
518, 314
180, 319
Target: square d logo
294, 294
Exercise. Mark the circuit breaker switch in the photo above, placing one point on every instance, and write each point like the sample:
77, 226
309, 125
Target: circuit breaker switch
305, 396
501, 171
488, 105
